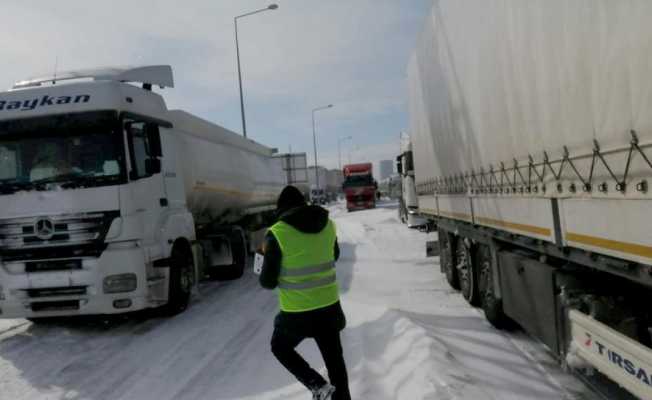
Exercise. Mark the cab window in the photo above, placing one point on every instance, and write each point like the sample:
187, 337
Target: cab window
144, 143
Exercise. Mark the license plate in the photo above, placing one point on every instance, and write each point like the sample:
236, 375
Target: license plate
45, 280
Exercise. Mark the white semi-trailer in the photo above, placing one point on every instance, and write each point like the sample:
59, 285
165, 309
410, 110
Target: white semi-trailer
408, 208
531, 124
110, 202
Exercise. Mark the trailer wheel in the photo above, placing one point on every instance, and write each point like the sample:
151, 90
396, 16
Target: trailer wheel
467, 275
447, 258
492, 307
181, 280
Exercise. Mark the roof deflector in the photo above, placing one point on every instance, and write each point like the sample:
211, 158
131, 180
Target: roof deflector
159, 75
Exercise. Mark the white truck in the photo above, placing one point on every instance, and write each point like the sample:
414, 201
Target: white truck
317, 196
408, 207
531, 124
110, 202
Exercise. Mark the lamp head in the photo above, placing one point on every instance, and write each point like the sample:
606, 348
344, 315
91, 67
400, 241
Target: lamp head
272, 6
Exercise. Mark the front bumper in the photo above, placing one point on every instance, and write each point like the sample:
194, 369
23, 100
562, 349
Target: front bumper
74, 291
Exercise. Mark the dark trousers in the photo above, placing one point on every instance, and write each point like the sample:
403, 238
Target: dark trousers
330, 346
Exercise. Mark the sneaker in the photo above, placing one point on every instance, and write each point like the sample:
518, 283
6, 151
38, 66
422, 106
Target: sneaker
324, 392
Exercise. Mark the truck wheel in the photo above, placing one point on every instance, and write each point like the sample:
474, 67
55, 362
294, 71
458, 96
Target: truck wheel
466, 273
239, 251
447, 259
181, 280
492, 307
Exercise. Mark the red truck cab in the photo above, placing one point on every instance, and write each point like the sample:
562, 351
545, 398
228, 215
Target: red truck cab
359, 186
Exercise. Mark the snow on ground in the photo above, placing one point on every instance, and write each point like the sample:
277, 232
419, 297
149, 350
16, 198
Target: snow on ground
409, 336
10, 324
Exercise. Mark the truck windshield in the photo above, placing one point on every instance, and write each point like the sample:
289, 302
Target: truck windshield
358, 180
60, 152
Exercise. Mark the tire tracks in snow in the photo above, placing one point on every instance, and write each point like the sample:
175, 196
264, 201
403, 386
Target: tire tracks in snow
108, 364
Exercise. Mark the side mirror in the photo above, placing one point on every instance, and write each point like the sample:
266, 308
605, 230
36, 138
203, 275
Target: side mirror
399, 166
152, 166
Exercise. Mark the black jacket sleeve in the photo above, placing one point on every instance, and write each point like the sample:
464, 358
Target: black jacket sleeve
272, 262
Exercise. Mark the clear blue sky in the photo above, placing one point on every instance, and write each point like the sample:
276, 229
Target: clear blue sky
352, 53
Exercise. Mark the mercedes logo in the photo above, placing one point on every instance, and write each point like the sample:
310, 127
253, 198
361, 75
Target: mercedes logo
44, 229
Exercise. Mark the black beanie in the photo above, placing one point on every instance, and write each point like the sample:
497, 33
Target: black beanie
290, 197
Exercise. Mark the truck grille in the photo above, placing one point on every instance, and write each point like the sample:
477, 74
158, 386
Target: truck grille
50, 231
52, 292
53, 265
55, 305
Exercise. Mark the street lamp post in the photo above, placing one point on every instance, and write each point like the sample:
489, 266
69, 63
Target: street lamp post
339, 152
237, 52
351, 151
314, 139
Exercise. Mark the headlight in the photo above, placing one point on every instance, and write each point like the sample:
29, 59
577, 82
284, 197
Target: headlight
120, 283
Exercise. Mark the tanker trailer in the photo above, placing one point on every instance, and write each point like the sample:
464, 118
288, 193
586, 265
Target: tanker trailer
231, 187
111, 203
532, 140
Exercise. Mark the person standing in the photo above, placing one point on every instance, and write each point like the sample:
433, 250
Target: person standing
300, 251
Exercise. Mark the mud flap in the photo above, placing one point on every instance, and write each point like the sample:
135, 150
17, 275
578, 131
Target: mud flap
199, 265
432, 249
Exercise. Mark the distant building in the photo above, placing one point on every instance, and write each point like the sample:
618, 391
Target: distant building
312, 178
334, 180
295, 168
329, 179
386, 169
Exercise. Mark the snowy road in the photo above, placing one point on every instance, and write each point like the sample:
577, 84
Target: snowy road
409, 337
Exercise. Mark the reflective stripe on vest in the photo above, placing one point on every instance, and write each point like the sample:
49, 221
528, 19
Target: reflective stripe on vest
307, 278
309, 270
308, 285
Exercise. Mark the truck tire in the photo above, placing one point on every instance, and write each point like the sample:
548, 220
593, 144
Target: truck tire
467, 275
447, 258
239, 252
181, 280
492, 307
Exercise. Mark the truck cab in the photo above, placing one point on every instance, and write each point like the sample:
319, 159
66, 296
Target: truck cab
359, 186
92, 211
318, 196
409, 200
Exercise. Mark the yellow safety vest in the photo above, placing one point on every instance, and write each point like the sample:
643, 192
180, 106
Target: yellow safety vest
307, 279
